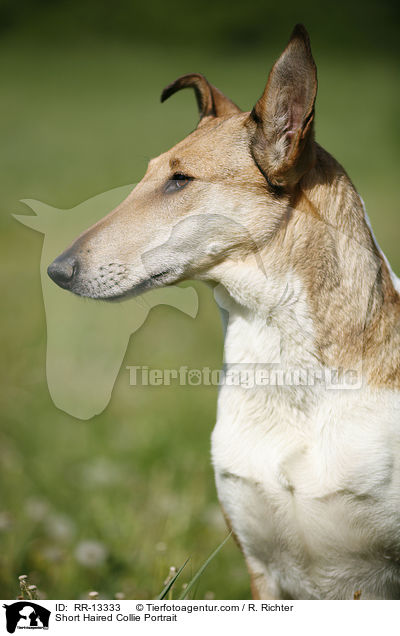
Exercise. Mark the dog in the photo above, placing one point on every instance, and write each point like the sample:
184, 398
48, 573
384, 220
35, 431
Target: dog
307, 472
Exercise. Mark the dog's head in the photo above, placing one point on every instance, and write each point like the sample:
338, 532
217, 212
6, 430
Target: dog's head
220, 193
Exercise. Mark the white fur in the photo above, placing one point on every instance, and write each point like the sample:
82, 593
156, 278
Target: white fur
309, 477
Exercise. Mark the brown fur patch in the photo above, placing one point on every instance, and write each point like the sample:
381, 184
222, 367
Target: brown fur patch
355, 307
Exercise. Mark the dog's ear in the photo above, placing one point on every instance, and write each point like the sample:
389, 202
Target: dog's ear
211, 102
283, 140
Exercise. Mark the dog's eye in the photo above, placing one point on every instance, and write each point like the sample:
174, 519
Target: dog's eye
177, 182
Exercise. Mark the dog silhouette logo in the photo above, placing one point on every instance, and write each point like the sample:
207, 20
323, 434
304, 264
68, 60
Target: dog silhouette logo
86, 342
26, 615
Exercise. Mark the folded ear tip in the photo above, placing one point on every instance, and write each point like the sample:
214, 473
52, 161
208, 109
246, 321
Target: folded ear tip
184, 81
168, 91
210, 101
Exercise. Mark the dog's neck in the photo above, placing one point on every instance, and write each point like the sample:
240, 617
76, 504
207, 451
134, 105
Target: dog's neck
321, 281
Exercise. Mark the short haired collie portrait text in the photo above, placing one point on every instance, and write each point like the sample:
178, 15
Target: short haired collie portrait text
308, 475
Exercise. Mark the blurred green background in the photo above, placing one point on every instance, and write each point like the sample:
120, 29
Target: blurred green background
111, 503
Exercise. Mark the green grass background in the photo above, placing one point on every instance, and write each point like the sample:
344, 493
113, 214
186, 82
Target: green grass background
80, 114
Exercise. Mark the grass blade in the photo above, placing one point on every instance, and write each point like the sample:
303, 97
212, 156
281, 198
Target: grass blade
171, 583
203, 567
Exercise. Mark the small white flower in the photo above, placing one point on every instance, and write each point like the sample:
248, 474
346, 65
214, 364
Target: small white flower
60, 527
101, 472
5, 521
172, 572
90, 553
161, 546
37, 509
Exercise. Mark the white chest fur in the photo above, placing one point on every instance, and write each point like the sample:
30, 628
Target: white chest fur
309, 477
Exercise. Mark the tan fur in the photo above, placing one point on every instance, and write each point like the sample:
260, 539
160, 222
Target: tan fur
358, 317
286, 203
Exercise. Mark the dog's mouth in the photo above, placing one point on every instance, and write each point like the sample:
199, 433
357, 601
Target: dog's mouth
164, 277
159, 279
161, 275
154, 281
121, 290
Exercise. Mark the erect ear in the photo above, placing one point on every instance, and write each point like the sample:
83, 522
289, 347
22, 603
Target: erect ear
283, 142
211, 102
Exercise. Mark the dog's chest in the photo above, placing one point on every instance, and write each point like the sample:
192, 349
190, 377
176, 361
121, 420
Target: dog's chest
307, 476
306, 497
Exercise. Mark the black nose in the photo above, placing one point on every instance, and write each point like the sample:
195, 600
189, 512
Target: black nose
62, 271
